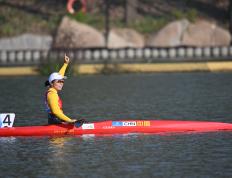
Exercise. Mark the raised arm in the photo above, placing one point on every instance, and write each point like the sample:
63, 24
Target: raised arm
64, 67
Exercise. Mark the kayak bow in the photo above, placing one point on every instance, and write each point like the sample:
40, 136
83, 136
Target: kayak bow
117, 127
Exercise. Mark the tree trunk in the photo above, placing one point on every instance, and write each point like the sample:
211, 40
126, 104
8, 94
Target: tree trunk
130, 12
230, 18
107, 21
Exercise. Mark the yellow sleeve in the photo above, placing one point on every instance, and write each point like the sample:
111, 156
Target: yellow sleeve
54, 106
63, 69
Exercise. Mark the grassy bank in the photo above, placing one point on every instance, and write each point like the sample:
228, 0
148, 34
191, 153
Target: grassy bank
44, 17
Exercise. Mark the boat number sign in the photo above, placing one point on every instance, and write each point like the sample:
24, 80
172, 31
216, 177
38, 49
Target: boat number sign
131, 123
6, 119
88, 126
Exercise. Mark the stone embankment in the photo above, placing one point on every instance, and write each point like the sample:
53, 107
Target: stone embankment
197, 39
72, 34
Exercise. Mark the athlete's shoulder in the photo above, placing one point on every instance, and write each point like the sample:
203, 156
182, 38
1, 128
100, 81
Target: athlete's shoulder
51, 90
52, 93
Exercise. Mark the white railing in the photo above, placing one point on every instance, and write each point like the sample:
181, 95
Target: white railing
119, 55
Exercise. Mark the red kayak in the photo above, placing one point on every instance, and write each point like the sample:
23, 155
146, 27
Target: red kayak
117, 127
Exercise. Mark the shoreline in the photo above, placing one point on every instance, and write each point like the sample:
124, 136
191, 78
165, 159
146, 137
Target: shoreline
91, 69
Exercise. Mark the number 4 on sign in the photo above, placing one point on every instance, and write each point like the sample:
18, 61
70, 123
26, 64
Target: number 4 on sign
6, 119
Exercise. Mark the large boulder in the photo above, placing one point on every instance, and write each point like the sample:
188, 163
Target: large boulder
170, 35
115, 41
221, 37
203, 33
26, 41
125, 37
72, 34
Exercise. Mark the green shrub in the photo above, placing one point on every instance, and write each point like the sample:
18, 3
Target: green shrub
148, 24
14, 22
7, 30
96, 21
191, 15
144, 25
2, 20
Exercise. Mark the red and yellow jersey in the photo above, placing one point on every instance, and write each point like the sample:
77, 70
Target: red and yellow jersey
53, 102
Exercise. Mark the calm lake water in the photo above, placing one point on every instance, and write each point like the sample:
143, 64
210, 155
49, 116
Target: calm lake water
177, 96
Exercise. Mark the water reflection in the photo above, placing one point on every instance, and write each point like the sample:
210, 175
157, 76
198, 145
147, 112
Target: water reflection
59, 142
7, 140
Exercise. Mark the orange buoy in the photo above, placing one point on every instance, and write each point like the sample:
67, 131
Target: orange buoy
71, 3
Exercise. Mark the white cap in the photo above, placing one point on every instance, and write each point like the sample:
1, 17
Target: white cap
56, 76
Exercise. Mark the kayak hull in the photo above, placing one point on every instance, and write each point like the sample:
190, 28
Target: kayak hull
117, 127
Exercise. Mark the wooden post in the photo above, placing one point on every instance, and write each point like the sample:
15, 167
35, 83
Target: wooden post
125, 13
107, 21
230, 18
131, 8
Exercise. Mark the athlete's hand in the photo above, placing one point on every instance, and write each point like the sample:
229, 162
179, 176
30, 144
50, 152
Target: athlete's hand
73, 121
66, 59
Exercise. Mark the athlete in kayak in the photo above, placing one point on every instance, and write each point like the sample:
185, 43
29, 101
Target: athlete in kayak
53, 102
